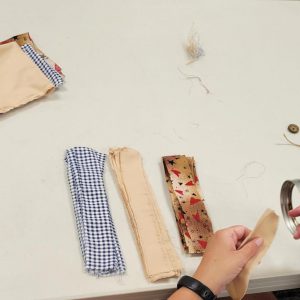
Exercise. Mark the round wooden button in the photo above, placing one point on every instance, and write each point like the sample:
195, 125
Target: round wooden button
293, 128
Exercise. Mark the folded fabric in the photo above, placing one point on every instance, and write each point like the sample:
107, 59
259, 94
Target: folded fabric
98, 239
21, 81
192, 219
157, 252
25, 38
50, 73
265, 228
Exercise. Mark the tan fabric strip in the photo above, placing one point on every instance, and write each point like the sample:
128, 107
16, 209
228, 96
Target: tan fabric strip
266, 228
21, 81
157, 252
193, 222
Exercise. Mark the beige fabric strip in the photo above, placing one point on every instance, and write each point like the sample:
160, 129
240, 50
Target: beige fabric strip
266, 228
157, 252
21, 81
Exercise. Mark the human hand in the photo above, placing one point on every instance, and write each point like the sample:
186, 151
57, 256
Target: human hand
296, 213
223, 260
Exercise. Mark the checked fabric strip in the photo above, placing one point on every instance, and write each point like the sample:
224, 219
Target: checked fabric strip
50, 73
97, 235
188, 204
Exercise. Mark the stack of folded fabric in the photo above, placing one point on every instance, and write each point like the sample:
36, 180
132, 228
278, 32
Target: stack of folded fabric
98, 238
26, 73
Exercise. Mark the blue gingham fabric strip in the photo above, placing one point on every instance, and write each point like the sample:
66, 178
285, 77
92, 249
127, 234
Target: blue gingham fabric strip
98, 239
50, 73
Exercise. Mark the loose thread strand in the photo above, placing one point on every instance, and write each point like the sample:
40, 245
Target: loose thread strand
195, 77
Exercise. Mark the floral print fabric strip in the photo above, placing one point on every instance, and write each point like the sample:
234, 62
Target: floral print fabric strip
188, 204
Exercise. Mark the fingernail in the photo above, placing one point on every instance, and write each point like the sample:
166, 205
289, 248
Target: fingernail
296, 236
259, 241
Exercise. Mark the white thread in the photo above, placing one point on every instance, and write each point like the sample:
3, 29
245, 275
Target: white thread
256, 173
247, 168
195, 77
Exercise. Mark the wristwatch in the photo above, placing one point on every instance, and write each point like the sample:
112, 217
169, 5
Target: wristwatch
197, 287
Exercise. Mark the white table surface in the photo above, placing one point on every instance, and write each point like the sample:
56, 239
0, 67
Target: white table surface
123, 88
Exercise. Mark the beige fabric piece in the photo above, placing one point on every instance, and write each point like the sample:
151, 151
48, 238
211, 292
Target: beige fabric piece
24, 38
157, 252
21, 81
266, 228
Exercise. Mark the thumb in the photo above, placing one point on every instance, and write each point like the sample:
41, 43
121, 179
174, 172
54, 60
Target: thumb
250, 249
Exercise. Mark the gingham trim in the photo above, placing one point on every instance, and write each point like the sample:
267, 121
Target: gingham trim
50, 73
98, 239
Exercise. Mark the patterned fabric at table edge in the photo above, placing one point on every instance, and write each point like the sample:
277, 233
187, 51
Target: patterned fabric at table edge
50, 73
98, 239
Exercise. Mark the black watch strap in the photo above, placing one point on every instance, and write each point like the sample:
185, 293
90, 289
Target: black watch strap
197, 287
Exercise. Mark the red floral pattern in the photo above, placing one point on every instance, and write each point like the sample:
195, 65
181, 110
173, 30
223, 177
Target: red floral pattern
192, 219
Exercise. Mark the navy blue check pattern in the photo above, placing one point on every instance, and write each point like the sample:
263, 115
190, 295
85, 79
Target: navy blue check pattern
97, 235
50, 73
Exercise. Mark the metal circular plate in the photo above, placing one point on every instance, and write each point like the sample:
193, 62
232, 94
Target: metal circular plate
286, 203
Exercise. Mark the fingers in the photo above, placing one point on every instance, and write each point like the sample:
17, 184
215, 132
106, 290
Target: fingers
239, 232
233, 235
238, 244
297, 233
294, 212
250, 249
